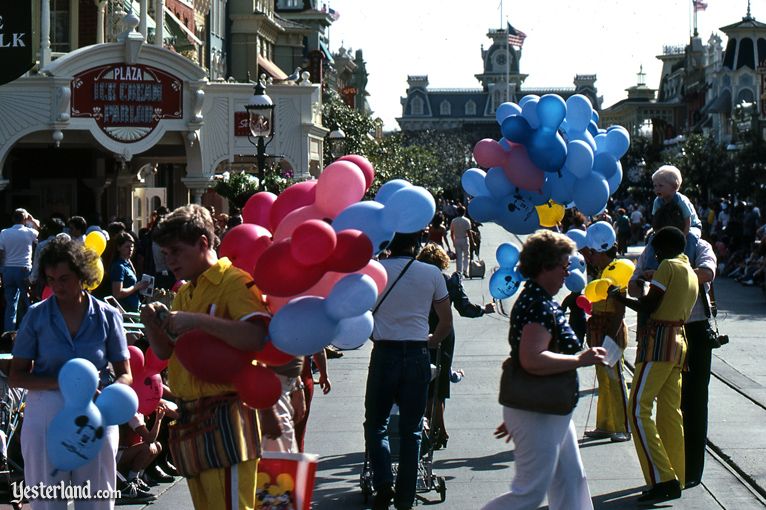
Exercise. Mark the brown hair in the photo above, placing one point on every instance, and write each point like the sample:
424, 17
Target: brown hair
81, 260
435, 255
186, 224
543, 250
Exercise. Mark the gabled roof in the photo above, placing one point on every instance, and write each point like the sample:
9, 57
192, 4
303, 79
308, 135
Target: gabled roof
747, 23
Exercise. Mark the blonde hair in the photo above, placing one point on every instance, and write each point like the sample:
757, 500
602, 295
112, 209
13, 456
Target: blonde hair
669, 175
435, 255
544, 250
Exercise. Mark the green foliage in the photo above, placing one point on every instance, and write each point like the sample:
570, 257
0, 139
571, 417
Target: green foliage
706, 166
237, 188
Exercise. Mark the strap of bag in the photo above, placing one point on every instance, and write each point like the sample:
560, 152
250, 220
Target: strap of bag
708, 313
404, 270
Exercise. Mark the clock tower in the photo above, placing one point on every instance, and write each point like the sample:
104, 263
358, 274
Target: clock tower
501, 78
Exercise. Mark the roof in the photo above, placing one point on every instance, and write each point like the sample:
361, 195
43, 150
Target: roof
721, 104
747, 23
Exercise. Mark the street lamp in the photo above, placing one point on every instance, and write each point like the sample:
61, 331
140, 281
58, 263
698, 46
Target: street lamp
260, 111
337, 141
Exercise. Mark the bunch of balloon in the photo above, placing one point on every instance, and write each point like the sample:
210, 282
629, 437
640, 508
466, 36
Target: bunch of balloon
506, 280
75, 435
96, 241
551, 149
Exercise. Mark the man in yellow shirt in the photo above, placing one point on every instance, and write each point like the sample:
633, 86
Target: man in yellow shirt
221, 300
659, 361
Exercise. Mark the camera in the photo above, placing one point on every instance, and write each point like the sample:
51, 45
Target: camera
723, 340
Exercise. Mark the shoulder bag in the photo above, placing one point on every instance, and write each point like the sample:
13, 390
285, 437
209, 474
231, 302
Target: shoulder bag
713, 338
547, 394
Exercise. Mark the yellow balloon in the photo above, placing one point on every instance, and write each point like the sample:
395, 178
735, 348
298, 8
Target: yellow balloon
261, 480
96, 242
597, 290
619, 271
550, 213
275, 490
100, 271
285, 482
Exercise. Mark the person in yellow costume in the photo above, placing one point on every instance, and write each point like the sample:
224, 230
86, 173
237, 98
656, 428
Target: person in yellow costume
221, 300
660, 358
607, 319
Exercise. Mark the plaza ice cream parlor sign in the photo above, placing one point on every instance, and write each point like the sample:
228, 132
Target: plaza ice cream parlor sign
127, 101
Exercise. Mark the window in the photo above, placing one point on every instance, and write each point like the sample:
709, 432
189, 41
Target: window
470, 107
60, 26
445, 108
417, 105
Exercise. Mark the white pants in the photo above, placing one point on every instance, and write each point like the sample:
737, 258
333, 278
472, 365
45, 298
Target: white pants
547, 460
462, 252
284, 409
40, 409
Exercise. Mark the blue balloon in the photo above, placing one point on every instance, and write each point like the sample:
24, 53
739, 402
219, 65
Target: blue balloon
529, 97
118, 403
517, 216
579, 237
302, 327
605, 165
473, 182
408, 210
575, 282
577, 261
600, 140
617, 141
75, 436
615, 180
483, 209
533, 197
529, 111
353, 332
389, 188
560, 186
365, 216
593, 129
591, 194
579, 158
497, 183
505, 144
516, 129
579, 113
506, 110
600, 236
551, 110
78, 380
353, 295
507, 255
504, 283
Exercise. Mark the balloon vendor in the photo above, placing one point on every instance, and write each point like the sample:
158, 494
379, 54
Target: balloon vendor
221, 300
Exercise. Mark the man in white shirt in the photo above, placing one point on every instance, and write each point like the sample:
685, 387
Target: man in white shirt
459, 231
16, 245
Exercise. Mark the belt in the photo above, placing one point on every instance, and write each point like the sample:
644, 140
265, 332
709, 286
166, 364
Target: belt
401, 344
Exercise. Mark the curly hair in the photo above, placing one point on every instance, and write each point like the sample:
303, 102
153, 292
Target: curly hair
542, 251
81, 260
435, 255
186, 224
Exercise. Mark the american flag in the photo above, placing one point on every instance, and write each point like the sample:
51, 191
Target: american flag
699, 5
334, 14
515, 37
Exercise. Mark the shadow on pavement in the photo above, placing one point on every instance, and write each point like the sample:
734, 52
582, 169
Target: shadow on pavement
494, 462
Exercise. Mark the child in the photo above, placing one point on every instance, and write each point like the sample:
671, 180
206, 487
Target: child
667, 181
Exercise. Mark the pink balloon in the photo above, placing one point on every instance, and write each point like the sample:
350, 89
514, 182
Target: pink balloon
364, 165
489, 153
520, 170
153, 364
377, 272
244, 245
257, 210
341, 184
297, 195
296, 218
313, 242
149, 392
136, 361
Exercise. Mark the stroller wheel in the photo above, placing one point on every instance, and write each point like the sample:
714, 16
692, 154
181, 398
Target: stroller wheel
441, 488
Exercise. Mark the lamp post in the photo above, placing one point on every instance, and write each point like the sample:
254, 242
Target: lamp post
337, 141
260, 112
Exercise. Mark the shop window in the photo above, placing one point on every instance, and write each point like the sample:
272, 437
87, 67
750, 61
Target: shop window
60, 36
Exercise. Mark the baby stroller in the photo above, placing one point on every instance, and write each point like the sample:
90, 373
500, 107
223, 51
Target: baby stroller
11, 463
427, 481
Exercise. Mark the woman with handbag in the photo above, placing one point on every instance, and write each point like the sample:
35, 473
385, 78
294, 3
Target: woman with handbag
539, 386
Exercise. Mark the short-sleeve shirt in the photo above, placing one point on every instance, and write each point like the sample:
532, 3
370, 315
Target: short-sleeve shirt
677, 279
222, 291
44, 337
535, 305
403, 315
460, 227
17, 242
122, 271
686, 206
636, 217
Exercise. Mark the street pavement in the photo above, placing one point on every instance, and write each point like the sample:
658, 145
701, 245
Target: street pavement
478, 467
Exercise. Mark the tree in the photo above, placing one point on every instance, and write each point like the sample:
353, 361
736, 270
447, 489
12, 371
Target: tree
705, 165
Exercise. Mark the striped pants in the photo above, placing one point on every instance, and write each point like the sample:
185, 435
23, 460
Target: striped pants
660, 445
612, 408
231, 488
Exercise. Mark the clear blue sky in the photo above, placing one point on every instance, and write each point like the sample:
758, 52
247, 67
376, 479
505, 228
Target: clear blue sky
442, 38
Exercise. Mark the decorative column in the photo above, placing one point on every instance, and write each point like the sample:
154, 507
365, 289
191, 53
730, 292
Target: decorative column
45, 33
159, 18
100, 20
143, 16
197, 187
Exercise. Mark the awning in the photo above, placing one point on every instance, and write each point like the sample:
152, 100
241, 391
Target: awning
271, 68
324, 49
189, 34
721, 104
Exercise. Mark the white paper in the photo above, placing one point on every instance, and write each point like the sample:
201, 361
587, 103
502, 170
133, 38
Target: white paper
613, 351
148, 291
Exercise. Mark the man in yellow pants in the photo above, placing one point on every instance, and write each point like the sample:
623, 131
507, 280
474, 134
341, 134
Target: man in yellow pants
659, 362
216, 443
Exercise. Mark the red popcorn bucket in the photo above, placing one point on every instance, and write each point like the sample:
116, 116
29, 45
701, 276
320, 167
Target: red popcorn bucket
285, 481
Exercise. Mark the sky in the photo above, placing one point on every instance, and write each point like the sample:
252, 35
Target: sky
443, 38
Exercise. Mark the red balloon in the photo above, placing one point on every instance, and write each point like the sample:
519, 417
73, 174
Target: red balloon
353, 252
153, 364
364, 165
136, 362
149, 392
313, 242
584, 304
258, 387
489, 153
520, 170
272, 356
244, 245
297, 195
257, 209
278, 273
209, 358
177, 286
47, 292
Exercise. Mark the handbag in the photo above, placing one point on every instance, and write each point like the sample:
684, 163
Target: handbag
713, 338
547, 394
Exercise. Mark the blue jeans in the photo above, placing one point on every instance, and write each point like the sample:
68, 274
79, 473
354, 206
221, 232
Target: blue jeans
399, 373
15, 284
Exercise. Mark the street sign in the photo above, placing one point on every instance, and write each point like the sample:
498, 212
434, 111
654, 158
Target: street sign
127, 101
15, 40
